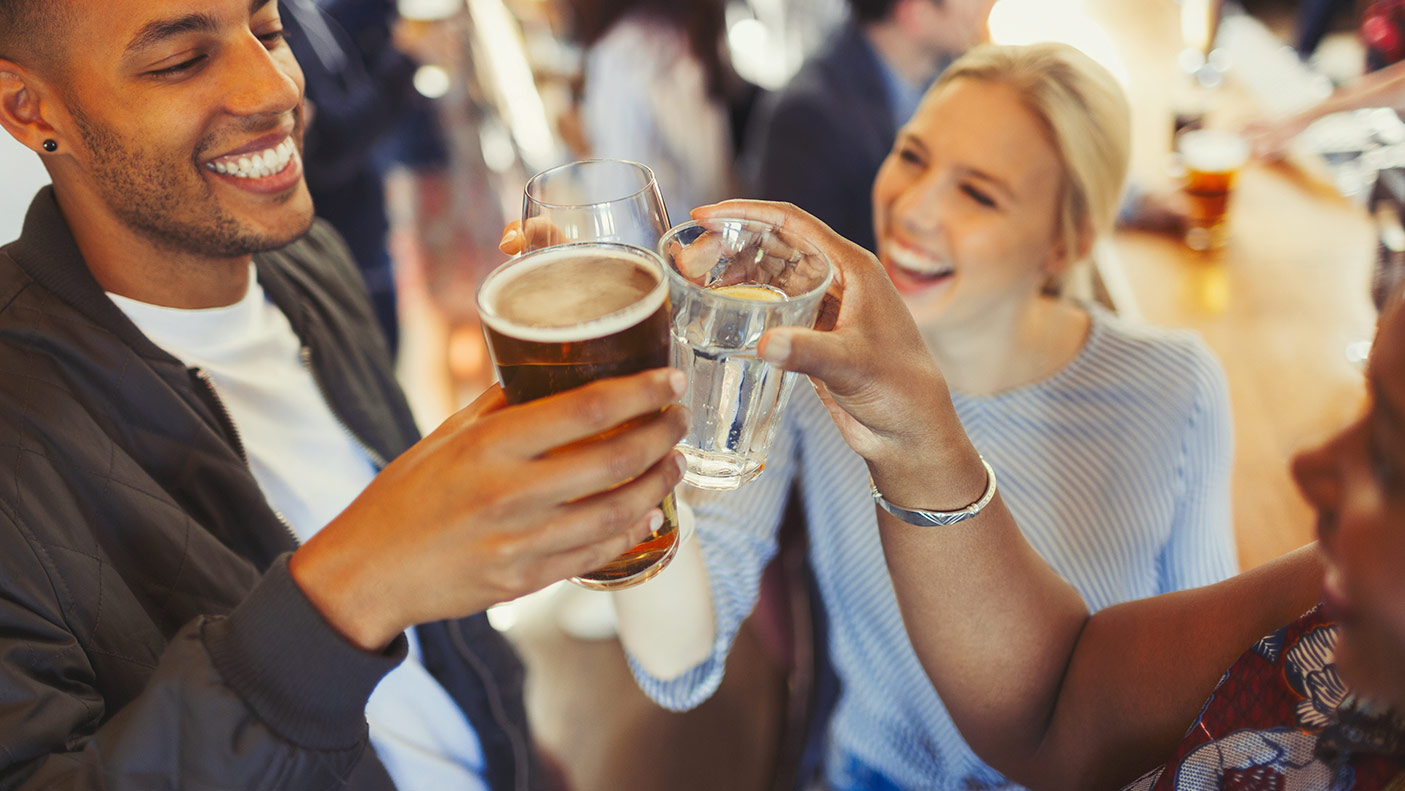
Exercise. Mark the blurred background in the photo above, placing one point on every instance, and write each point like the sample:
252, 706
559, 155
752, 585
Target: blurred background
434, 113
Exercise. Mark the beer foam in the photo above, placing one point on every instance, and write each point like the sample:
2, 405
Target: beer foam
1212, 150
573, 292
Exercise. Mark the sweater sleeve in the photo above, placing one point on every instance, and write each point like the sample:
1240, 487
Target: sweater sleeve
1201, 547
738, 534
268, 697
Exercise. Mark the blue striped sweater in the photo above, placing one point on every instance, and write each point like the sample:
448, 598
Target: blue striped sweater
1117, 468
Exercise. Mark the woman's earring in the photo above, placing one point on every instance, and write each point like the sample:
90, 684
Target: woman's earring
51, 145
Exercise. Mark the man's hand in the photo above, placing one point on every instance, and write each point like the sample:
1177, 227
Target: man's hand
498, 502
539, 233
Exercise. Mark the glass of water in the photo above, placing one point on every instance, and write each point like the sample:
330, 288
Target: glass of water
729, 281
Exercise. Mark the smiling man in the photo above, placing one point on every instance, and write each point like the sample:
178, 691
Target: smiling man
226, 557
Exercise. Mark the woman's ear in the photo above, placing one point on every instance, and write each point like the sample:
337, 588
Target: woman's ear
1059, 259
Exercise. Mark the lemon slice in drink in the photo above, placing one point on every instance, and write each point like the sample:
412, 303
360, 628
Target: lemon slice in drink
752, 292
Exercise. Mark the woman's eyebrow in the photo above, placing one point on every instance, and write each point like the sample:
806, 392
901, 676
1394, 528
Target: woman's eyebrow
990, 178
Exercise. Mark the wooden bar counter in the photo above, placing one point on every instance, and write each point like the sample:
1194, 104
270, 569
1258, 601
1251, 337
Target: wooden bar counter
1280, 304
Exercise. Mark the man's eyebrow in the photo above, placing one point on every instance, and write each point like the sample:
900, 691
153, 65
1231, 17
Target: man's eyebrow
159, 30
153, 33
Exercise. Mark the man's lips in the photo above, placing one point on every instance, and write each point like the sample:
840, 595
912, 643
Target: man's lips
259, 159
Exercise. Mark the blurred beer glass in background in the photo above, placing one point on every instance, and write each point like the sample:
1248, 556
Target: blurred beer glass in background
729, 281
593, 200
1212, 159
564, 316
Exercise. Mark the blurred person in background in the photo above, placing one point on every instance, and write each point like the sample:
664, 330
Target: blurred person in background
818, 141
1382, 33
365, 113
658, 88
1111, 440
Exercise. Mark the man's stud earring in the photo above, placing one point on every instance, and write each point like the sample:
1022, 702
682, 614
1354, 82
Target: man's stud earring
51, 145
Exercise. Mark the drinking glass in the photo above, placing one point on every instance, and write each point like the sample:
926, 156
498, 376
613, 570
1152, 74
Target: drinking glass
593, 200
561, 317
729, 281
1212, 159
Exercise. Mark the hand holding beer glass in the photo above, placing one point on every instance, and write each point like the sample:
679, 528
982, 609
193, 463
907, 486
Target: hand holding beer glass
1212, 160
730, 280
565, 316
586, 301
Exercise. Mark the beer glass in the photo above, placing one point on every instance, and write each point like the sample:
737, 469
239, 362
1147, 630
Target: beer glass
730, 280
593, 200
1212, 160
564, 316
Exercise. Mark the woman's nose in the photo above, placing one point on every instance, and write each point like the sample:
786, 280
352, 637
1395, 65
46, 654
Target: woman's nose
1319, 479
920, 208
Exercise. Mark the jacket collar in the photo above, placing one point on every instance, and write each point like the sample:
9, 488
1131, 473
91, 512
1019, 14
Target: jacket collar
47, 252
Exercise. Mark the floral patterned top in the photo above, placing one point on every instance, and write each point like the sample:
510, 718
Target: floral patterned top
1281, 720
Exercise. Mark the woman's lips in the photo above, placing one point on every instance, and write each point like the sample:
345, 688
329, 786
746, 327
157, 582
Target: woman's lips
911, 273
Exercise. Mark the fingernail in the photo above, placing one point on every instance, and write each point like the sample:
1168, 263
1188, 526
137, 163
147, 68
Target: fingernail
678, 382
776, 349
655, 521
508, 236
681, 462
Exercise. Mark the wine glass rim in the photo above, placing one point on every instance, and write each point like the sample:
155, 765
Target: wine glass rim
650, 181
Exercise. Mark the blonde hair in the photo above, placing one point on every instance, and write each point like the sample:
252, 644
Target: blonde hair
1086, 116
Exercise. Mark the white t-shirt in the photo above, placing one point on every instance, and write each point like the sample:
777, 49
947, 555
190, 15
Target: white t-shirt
310, 468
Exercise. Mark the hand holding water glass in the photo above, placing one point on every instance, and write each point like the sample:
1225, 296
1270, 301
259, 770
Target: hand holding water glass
729, 281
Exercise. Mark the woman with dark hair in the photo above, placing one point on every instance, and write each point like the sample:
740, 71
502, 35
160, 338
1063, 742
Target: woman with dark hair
657, 82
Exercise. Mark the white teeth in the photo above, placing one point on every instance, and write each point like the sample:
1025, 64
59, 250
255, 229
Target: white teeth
921, 264
257, 165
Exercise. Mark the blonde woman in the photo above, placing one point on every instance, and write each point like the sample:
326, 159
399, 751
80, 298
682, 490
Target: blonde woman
1111, 440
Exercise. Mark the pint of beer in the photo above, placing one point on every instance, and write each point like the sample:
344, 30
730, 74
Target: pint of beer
564, 316
1212, 160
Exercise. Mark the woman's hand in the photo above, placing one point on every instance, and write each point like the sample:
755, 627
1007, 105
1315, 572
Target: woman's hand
867, 360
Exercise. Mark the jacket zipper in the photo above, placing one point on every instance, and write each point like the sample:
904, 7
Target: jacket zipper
228, 421
495, 703
305, 354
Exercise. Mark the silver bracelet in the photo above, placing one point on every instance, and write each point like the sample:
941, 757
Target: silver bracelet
917, 516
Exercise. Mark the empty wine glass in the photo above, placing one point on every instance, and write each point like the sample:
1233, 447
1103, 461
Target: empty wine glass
593, 200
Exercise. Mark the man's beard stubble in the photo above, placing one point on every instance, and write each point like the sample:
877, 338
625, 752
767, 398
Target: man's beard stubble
149, 195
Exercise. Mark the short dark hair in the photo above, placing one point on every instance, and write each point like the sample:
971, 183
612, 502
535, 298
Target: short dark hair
873, 10
31, 31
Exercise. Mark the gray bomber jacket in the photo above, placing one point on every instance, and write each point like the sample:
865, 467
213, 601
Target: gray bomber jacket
150, 634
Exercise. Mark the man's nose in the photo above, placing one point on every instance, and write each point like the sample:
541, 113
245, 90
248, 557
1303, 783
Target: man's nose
262, 82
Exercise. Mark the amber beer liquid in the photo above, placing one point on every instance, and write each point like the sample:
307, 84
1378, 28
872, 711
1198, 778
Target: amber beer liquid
1212, 160
565, 316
